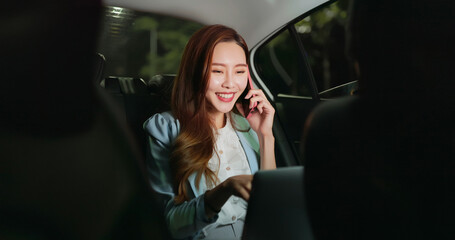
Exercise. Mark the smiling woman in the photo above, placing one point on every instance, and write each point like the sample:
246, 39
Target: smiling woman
228, 79
202, 154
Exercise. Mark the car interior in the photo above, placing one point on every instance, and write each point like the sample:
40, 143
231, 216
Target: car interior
139, 99
124, 102
72, 159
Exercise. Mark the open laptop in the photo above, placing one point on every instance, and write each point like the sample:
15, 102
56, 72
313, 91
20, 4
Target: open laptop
276, 209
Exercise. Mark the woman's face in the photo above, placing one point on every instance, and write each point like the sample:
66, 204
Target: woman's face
228, 77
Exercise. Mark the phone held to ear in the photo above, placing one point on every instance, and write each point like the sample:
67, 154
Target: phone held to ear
246, 102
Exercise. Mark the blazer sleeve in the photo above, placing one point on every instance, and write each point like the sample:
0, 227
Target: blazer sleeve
187, 219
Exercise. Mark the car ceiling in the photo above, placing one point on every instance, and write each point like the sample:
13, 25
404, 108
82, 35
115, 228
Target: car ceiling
253, 19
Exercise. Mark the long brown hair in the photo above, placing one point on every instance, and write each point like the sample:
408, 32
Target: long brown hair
193, 148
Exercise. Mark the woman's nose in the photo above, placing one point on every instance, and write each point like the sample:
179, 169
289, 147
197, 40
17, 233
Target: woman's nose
228, 81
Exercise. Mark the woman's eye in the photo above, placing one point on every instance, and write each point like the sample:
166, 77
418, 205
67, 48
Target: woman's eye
240, 72
216, 71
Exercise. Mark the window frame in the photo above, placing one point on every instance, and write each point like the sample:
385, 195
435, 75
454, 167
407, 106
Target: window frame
290, 26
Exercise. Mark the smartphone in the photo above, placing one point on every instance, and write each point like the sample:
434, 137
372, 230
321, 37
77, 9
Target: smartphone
246, 102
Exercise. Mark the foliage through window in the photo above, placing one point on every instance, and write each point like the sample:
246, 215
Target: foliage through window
137, 44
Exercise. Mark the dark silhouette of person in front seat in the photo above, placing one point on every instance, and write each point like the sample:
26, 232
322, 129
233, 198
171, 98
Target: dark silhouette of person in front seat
381, 165
68, 168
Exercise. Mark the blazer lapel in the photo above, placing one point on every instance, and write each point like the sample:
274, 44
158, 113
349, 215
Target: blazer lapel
249, 141
251, 148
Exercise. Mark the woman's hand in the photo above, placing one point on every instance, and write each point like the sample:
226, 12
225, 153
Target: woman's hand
239, 186
261, 119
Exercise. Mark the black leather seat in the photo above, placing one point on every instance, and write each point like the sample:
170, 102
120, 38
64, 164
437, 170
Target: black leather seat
138, 100
125, 85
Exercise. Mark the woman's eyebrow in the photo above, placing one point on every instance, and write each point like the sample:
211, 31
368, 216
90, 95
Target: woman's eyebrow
224, 65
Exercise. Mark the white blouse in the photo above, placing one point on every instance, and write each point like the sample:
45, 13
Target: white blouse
229, 160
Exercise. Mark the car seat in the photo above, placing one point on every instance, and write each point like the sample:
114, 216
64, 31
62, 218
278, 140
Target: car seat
138, 100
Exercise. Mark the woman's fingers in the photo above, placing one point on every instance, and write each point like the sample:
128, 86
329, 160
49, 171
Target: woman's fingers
243, 193
241, 185
254, 92
261, 121
257, 97
260, 107
262, 103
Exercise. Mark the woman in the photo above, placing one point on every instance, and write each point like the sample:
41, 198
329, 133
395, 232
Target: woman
202, 155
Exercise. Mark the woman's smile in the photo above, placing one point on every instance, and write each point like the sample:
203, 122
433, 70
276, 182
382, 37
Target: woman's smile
225, 97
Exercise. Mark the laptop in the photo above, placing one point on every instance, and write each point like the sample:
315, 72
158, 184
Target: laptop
276, 209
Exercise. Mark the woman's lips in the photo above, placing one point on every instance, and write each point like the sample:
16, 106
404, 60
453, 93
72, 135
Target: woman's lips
225, 97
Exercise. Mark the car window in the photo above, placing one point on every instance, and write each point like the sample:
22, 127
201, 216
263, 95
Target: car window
278, 65
284, 70
138, 44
